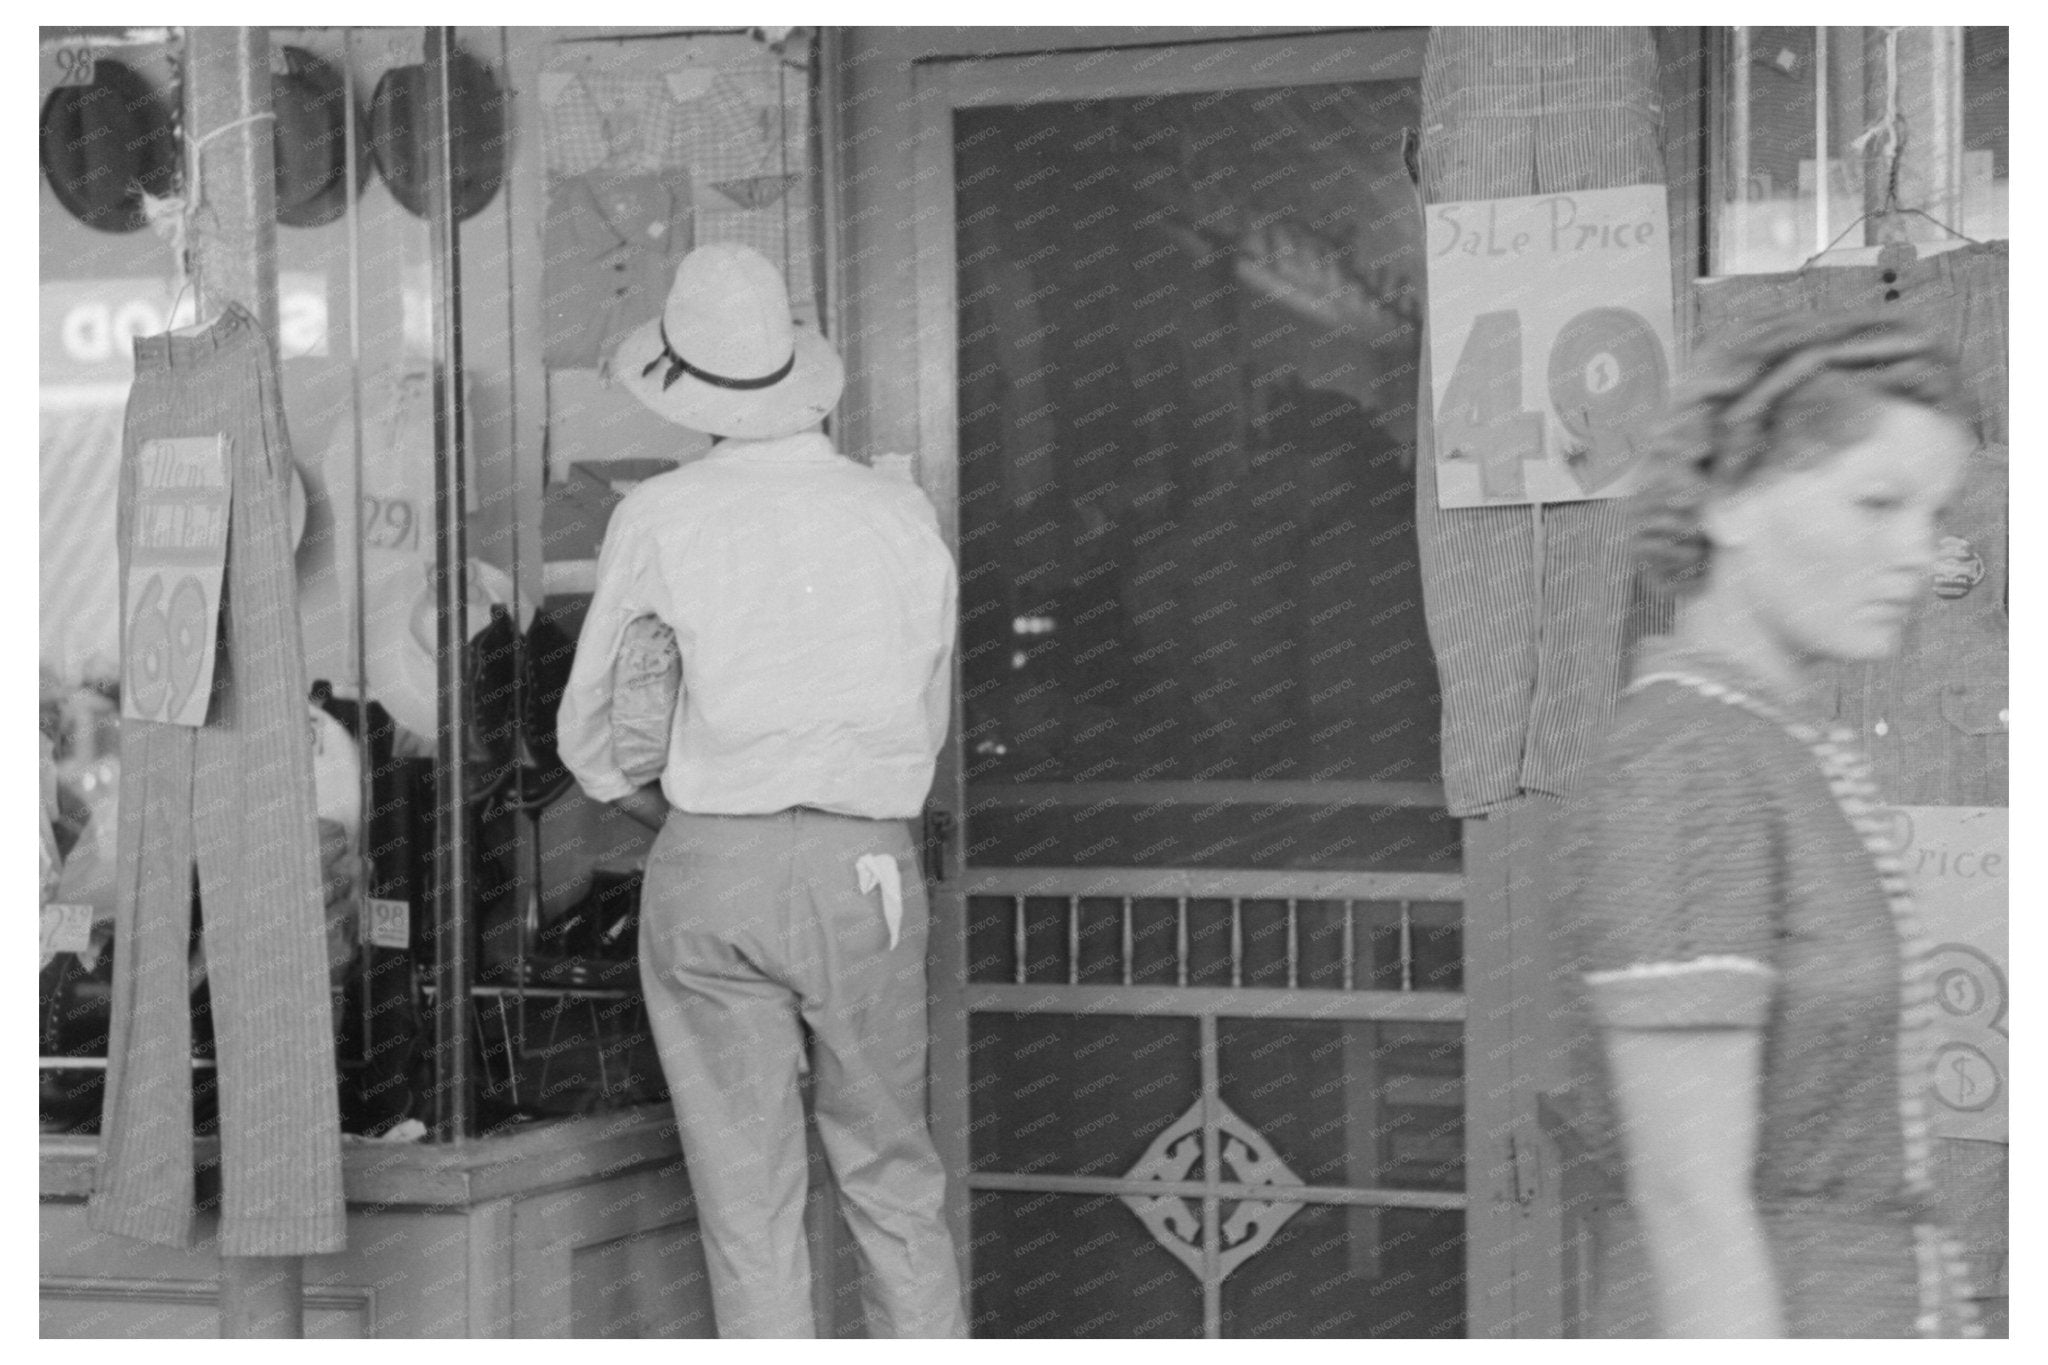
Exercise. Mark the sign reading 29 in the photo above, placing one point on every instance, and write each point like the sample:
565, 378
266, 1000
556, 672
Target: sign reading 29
389, 524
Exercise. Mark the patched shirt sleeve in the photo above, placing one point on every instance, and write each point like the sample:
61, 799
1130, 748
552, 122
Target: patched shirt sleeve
583, 729
1677, 898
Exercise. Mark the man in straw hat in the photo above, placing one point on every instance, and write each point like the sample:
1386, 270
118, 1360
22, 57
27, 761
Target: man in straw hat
782, 919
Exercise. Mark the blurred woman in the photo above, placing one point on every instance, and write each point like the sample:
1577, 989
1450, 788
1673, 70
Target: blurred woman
1748, 981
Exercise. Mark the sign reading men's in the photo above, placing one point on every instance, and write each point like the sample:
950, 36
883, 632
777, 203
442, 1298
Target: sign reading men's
178, 550
1550, 342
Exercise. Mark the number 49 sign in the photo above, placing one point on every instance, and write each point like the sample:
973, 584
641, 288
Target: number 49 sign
1549, 343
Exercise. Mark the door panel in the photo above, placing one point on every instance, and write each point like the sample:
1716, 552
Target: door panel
1366, 1104
1200, 955
1188, 326
1035, 1073
1357, 1271
1063, 1265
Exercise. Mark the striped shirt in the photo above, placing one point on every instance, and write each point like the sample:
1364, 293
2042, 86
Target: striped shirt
1713, 881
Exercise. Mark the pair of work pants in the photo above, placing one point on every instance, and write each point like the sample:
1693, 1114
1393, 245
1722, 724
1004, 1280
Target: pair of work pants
235, 796
1528, 606
753, 932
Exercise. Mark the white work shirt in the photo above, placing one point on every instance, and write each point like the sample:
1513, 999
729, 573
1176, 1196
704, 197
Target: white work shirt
812, 602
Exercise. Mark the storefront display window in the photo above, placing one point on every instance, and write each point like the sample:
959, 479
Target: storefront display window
1239, 1021
571, 203
1909, 117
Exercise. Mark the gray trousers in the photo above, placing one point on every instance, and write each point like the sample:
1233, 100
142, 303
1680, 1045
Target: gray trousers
754, 933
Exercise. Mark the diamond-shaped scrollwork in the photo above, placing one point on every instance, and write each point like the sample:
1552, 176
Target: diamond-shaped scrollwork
1244, 1157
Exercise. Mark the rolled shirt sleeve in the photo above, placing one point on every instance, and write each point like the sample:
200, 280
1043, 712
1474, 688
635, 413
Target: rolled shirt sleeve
1707, 992
583, 730
1676, 908
646, 691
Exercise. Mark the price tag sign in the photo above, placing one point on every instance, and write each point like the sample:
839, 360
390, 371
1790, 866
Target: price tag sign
171, 600
1957, 858
71, 64
1550, 343
390, 924
66, 929
390, 523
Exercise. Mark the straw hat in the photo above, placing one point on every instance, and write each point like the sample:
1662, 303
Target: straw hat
724, 356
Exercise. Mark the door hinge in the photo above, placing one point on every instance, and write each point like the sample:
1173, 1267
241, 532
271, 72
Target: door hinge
1524, 1168
938, 835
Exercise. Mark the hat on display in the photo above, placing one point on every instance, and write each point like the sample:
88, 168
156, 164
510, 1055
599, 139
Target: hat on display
106, 144
295, 495
476, 123
401, 631
337, 773
311, 140
724, 356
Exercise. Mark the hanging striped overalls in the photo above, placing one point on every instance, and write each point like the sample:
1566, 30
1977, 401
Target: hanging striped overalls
236, 797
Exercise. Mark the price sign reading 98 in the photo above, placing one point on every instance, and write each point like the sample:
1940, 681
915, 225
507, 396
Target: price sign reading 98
67, 65
178, 541
1550, 343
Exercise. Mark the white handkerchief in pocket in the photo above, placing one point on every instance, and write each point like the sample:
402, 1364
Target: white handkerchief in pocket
879, 869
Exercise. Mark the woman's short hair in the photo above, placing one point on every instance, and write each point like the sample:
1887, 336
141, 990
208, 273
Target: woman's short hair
1782, 394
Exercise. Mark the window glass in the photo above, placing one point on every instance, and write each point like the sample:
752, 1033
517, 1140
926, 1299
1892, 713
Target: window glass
1821, 127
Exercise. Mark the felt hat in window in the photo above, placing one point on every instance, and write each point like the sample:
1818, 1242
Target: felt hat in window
106, 144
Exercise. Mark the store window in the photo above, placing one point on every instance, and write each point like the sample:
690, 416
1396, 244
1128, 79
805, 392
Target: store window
711, 127
1820, 131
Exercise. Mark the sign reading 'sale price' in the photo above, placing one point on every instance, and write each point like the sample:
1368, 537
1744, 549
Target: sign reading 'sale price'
178, 544
1550, 343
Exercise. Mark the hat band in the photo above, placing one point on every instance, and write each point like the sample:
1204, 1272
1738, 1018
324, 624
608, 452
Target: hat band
678, 367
